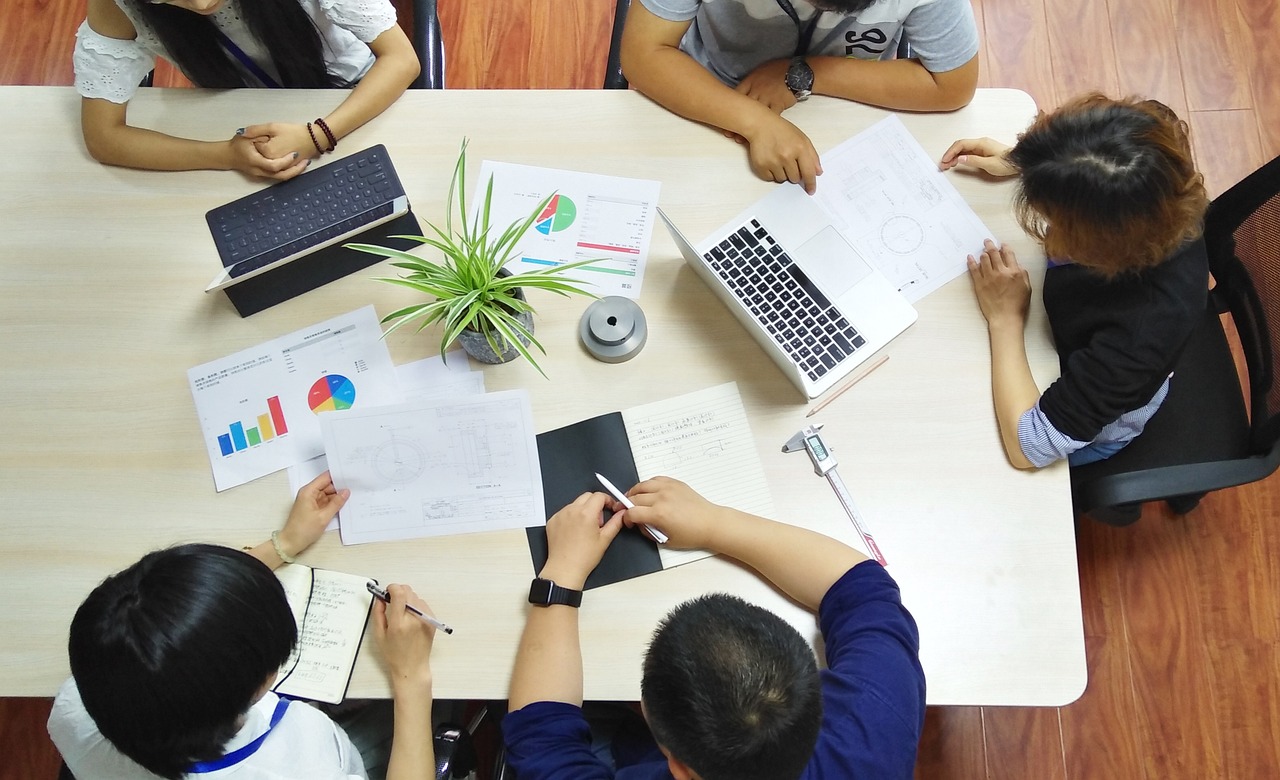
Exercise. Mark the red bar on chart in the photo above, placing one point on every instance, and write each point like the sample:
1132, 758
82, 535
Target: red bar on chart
277, 415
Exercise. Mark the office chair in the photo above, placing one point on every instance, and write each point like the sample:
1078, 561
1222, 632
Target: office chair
613, 78
428, 42
1204, 437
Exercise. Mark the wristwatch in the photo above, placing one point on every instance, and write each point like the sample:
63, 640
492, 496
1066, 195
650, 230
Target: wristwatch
544, 593
800, 78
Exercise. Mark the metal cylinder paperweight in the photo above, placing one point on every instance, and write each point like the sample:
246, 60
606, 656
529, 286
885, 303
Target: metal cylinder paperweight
613, 329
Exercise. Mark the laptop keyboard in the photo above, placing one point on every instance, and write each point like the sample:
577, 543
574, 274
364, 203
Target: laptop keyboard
327, 202
794, 312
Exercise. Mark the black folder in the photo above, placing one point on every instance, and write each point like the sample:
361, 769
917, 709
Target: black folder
570, 457
320, 267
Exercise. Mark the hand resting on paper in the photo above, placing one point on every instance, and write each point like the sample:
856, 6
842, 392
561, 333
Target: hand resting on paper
577, 539
317, 503
676, 509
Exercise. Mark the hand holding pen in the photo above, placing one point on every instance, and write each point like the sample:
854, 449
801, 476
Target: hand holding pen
654, 533
381, 595
405, 641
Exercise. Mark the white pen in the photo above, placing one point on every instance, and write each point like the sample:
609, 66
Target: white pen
657, 535
381, 595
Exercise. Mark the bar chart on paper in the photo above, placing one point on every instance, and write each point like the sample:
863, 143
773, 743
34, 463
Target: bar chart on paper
260, 408
265, 428
587, 216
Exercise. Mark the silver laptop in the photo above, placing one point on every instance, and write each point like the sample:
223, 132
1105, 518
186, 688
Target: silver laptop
815, 305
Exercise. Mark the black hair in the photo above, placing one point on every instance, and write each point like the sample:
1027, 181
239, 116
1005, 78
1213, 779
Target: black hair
732, 691
282, 26
169, 653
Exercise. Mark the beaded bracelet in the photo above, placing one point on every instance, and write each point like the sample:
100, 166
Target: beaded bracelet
312, 133
333, 141
275, 543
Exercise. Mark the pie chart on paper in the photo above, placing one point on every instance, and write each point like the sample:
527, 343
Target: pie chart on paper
558, 215
331, 393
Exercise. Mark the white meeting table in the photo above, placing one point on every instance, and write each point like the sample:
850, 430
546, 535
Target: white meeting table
101, 456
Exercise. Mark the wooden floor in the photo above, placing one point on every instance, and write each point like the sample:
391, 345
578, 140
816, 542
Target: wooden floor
1182, 615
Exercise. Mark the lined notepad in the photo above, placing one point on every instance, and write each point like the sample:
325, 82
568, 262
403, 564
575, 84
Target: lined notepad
704, 440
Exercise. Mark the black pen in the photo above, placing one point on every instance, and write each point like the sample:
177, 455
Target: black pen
381, 595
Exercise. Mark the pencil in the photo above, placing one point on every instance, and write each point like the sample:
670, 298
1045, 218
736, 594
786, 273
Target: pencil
880, 361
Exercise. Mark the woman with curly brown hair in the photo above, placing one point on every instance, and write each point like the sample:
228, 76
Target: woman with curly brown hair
1110, 189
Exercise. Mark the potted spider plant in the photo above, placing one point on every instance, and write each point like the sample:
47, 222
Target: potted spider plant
476, 301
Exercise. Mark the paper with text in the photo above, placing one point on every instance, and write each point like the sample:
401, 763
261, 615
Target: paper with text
437, 467
330, 609
702, 439
899, 211
589, 216
259, 409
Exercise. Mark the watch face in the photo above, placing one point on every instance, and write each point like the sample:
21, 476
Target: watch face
799, 77
540, 591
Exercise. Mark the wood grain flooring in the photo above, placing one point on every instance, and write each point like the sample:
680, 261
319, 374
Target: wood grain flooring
1181, 615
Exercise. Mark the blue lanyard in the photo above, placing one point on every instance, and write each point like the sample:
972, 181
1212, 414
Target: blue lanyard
241, 753
246, 60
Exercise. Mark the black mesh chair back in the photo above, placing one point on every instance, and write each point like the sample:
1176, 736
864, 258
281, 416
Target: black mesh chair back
1210, 433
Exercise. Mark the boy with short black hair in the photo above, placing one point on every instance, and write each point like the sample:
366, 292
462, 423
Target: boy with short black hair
730, 691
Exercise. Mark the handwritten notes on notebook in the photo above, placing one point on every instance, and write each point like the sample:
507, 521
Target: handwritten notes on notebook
330, 609
702, 439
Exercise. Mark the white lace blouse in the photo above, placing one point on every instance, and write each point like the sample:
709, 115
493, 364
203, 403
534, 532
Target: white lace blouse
111, 68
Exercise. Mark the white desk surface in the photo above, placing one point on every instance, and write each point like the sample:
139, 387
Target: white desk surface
102, 272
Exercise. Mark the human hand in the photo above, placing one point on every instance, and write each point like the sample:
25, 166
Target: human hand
317, 502
576, 539
985, 154
780, 152
243, 155
281, 139
767, 84
405, 640
1002, 285
671, 506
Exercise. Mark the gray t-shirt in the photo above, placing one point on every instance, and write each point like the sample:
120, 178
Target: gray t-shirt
731, 38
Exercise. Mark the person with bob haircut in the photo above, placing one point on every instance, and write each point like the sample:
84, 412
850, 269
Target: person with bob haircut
173, 659
737, 65
1110, 189
730, 691
225, 44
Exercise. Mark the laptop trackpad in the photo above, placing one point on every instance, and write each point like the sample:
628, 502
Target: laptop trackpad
830, 262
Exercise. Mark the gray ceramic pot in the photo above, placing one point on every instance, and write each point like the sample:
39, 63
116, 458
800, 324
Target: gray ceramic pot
477, 346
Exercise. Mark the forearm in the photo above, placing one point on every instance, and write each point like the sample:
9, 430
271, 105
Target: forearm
388, 78
136, 147
677, 82
549, 660
803, 563
1013, 388
904, 85
412, 749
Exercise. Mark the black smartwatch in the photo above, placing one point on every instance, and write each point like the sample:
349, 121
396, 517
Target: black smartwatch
544, 593
800, 78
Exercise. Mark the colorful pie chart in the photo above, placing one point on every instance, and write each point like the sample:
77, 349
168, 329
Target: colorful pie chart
331, 393
558, 215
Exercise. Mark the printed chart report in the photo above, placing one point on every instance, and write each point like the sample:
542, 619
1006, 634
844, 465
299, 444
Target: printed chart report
900, 212
259, 408
589, 216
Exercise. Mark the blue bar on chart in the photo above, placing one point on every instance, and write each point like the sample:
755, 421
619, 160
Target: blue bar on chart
237, 436
224, 444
